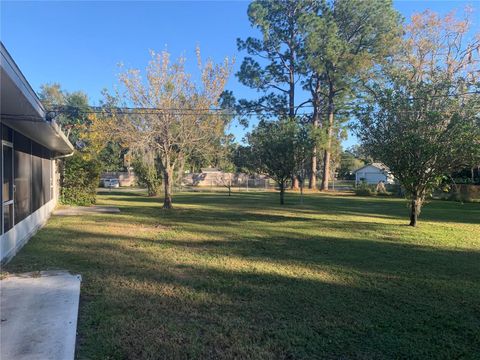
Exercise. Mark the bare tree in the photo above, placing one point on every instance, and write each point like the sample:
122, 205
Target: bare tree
173, 113
226, 180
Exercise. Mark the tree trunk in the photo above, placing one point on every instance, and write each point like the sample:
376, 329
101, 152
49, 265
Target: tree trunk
291, 88
326, 158
291, 111
291, 101
301, 192
326, 171
294, 183
313, 171
282, 193
415, 208
167, 182
180, 172
316, 122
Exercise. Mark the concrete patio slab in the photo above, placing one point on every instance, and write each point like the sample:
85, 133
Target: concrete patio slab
83, 210
38, 314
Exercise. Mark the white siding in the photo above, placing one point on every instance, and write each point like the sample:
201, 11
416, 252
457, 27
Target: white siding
14, 239
372, 175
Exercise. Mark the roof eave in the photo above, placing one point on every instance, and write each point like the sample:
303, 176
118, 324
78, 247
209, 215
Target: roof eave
29, 119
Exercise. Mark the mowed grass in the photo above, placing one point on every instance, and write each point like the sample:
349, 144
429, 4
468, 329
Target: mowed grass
339, 277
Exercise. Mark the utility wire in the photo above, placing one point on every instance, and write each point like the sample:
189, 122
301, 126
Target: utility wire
224, 111
66, 109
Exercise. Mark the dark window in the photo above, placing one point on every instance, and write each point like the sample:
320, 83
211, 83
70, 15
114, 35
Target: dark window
7, 187
27, 176
46, 179
37, 186
7, 217
7, 174
7, 133
23, 177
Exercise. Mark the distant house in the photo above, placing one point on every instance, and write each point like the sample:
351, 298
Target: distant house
374, 173
208, 177
214, 177
211, 171
31, 145
125, 178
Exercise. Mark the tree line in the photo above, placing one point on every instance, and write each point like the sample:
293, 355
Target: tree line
408, 90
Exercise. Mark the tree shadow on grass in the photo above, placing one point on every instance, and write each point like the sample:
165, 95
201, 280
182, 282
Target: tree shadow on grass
315, 204
310, 318
384, 258
211, 287
140, 302
354, 254
435, 210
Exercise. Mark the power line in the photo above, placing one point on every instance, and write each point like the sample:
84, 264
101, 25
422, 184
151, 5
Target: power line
224, 111
170, 111
26, 117
68, 109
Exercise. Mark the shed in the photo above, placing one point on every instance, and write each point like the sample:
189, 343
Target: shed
373, 174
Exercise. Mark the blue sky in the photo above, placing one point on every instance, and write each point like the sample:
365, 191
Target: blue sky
79, 44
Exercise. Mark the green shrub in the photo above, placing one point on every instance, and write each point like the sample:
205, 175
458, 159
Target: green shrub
363, 189
364, 192
464, 193
395, 190
386, 194
80, 179
148, 176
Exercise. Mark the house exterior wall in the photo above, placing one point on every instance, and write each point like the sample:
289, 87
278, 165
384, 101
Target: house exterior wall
218, 178
14, 239
30, 143
372, 175
29, 190
124, 178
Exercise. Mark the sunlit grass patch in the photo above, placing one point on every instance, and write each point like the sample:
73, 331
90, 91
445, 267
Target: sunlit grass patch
242, 277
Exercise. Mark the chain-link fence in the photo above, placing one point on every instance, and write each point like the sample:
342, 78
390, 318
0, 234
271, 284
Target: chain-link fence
242, 184
245, 184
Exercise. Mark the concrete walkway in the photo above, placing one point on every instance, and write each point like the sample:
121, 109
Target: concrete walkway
38, 314
83, 210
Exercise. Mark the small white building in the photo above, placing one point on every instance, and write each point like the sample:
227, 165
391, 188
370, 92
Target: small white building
373, 174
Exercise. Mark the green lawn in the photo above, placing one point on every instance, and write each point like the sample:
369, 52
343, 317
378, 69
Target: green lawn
340, 277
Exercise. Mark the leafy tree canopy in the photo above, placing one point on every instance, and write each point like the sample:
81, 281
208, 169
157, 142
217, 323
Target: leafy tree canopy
424, 122
279, 149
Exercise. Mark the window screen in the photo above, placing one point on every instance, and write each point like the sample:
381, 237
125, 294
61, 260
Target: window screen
23, 177
7, 191
7, 133
37, 180
7, 217
7, 174
46, 172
